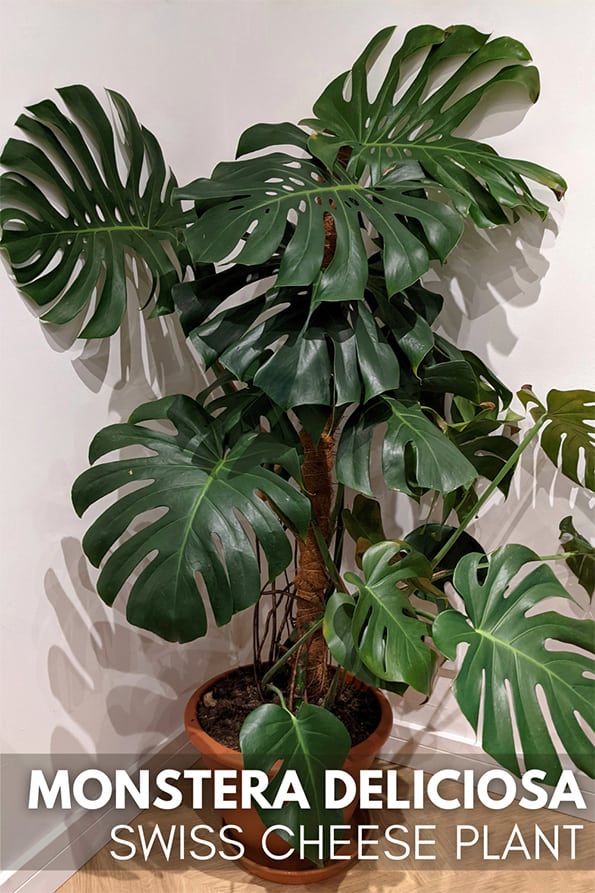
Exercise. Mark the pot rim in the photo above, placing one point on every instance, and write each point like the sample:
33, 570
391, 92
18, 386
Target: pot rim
372, 743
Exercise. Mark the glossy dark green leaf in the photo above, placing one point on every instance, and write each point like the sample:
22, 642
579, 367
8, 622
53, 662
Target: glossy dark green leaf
334, 355
415, 452
417, 122
204, 491
487, 452
309, 743
338, 633
244, 207
515, 650
388, 638
453, 377
71, 235
582, 564
197, 299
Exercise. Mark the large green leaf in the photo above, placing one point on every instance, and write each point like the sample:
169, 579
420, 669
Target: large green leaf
309, 743
244, 207
514, 652
206, 491
417, 121
415, 452
387, 636
69, 220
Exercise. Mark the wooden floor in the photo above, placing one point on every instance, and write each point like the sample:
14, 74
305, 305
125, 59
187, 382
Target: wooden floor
472, 873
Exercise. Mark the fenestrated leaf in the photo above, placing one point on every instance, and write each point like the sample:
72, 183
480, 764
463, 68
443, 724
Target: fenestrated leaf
487, 451
415, 452
388, 638
415, 123
582, 564
207, 490
245, 205
513, 647
64, 254
569, 437
309, 743
338, 632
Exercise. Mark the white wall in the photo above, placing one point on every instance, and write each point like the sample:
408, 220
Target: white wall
75, 678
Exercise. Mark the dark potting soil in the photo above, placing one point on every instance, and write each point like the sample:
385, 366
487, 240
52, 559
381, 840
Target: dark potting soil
223, 709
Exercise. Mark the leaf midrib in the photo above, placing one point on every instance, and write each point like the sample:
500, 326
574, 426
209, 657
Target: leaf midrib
190, 522
518, 655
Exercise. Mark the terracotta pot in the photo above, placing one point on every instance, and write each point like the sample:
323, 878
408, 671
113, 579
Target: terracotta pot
292, 870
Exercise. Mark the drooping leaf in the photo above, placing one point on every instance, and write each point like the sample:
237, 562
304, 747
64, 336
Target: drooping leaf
582, 564
244, 207
197, 299
364, 519
416, 454
338, 633
204, 490
262, 136
418, 123
429, 539
69, 221
569, 437
408, 315
388, 638
309, 743
363, 523
334, 355
514, 652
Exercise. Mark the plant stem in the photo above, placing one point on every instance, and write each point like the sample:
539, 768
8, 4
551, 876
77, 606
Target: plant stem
511, 463
283, 660
425, 614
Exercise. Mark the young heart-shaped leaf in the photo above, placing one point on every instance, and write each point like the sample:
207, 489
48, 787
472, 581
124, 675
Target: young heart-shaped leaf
309, 743
514, 653
72, 234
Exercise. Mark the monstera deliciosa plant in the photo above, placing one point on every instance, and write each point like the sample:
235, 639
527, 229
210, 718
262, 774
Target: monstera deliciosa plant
296, 273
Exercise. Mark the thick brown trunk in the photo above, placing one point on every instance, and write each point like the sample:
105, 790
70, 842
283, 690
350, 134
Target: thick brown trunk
312, 578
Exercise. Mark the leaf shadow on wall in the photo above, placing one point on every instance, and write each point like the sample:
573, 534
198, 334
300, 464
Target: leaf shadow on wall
115, 681
145, 359
489, 272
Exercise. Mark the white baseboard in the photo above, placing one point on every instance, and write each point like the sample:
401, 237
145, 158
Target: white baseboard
69, 847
